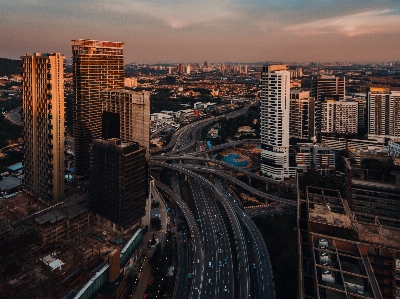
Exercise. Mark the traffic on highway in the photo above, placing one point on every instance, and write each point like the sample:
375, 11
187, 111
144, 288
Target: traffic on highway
227, 253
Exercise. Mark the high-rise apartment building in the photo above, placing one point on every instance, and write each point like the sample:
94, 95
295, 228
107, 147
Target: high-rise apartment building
97, 66
302, 115
275, 106
323, 85
362, 105
119, 181
181, 68
383, 107
339, 117
43, 114
133, 112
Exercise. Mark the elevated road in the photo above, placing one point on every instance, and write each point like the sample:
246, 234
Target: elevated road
184, 168
196, 237
226, 145
224, 164
185, 137
262, 272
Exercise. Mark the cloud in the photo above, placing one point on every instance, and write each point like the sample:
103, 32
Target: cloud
365, 23
176, 13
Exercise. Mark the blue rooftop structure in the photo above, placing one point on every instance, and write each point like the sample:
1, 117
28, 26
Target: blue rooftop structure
16, 167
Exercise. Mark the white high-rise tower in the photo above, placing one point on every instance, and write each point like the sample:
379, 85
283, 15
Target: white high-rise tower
275, 107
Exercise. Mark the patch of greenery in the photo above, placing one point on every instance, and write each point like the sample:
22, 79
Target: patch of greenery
10, 104
313, 178
9, 133
280, 235
228, 128
10, 67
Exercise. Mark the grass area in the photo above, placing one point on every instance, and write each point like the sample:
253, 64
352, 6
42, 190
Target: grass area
280, 236
9, 133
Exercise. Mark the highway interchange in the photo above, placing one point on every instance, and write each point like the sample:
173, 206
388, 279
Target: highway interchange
227, 252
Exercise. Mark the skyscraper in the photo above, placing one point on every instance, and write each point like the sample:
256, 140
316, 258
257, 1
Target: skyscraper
302, 115
43, 114
133, 111
339, 117
383, 106
275, 106
119, 181
97, 66
323, 85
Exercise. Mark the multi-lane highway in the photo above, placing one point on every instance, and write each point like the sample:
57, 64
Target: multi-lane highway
230, 258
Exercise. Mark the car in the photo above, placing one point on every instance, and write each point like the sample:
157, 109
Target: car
225, 289
209, 281
220, 263
220, 250
262, 256
254, 266
198, 261
209, 264
225, 261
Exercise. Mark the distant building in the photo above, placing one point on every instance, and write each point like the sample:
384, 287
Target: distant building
97, 66
383, 106
275, 106
130, 82
323, 85
339, 117
302, 115
320, 157
43, 114
180, 68
297, 73
362, 106
119, 182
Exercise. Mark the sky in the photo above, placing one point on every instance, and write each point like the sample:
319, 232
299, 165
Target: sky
194, 31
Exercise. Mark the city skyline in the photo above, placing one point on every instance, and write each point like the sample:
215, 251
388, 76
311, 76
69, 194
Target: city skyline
194, 31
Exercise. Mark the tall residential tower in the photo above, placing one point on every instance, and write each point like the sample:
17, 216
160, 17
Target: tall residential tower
324, 85
43, 114
97, 66
275, 107
383, 106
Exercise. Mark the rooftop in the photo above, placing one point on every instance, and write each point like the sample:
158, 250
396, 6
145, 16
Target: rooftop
326, 206
10, 182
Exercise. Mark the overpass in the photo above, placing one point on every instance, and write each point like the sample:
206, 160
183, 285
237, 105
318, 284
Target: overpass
224, 164
190, 169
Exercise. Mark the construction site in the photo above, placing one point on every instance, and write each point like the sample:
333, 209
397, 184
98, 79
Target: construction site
340, 257
53, 252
